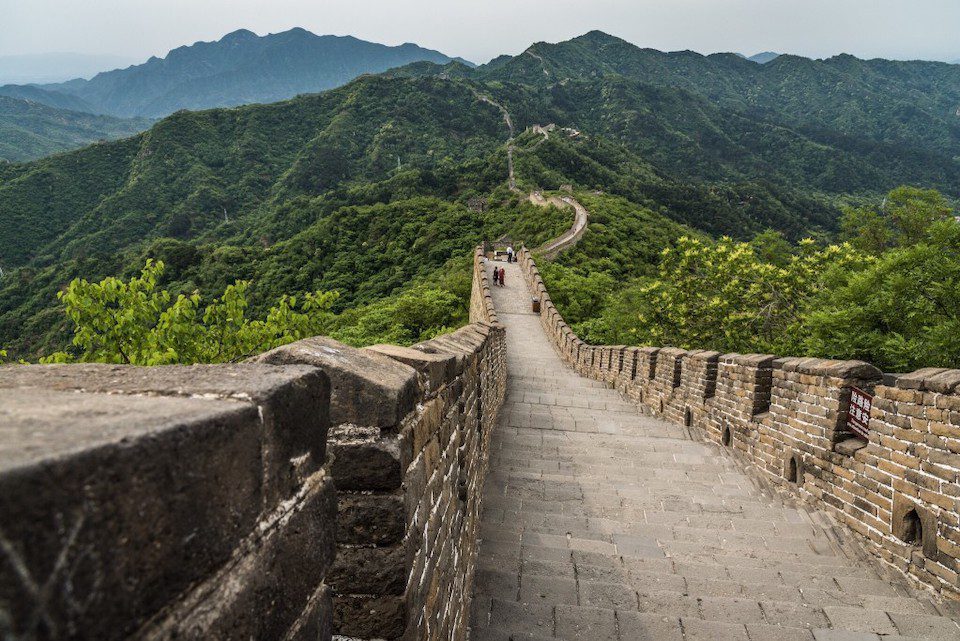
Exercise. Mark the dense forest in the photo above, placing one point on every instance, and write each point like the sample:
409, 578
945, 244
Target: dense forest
353, 212
886, 291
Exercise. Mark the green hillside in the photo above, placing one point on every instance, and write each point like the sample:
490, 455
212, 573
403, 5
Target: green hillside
372, 189
31, 130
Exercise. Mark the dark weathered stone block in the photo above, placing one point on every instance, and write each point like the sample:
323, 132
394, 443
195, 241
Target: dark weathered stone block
437, 369
370, 617
365, 460
366, 388
116, 504
293, 401
369, 570
378, 519
265, 589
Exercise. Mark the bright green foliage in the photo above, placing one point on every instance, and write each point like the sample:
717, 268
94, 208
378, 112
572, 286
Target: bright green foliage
900, 313
898, 309
580, 296
904, 219
912, 211
416, 315
137, 323
724, 296
866, 229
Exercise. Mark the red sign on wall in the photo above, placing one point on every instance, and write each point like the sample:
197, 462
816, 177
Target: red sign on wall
858, 416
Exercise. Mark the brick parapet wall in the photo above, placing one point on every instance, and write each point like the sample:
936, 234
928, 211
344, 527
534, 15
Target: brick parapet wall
787, 417
316, 490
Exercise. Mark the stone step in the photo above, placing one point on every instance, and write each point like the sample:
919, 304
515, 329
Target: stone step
666, 616
603, 523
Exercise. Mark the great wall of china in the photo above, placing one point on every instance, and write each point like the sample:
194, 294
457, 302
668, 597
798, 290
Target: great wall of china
632, 493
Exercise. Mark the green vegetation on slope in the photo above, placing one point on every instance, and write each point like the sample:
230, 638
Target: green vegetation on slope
31, 130
895, 303
377, 189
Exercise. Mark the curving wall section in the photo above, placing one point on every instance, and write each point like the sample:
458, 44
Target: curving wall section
317, 489
899, 489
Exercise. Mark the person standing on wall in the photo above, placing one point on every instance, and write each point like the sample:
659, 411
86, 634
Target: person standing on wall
509, 254
501, 275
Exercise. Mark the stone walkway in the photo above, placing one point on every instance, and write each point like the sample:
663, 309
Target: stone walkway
603, 524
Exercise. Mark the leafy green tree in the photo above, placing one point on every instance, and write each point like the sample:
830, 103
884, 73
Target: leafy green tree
135, 322
724, 296
866, 229
773, 247
900, 313
912, 211
904, 218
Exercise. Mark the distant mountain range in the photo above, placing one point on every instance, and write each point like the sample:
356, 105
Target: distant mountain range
337, 190
765, 57
240, 68
31, 130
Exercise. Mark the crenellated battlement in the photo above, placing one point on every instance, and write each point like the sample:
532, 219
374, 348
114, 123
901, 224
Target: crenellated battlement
899, 488
316, 489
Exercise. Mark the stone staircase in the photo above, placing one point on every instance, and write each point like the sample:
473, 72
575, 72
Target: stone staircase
601, 523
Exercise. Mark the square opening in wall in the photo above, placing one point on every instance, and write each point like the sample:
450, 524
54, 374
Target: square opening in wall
915, 525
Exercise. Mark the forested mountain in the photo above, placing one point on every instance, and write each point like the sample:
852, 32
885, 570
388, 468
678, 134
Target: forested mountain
369, 188
31, 130
843, 102
46, 97
240, 68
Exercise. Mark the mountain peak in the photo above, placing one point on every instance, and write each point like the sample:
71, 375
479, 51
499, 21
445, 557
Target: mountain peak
597, 37
240, 35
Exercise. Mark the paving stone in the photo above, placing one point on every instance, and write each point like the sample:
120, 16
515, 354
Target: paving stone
843, 635
797, 614
529, 618
759, 632
671, 604
585, 623
547, 589
620, 510
496, 634
657, 581
700, 630
496, 582
731, 610
640, 626
860, 620
534, 567
608, 595
926, 627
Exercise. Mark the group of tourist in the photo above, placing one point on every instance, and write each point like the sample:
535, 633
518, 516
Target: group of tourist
498, 276
498, 272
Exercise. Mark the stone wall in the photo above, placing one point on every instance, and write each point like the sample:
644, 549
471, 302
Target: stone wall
316, 490
787, 417
188, 502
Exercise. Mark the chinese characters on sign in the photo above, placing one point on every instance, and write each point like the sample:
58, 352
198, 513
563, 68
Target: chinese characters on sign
858, 417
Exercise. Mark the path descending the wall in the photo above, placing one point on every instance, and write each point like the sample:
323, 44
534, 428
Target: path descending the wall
602, 524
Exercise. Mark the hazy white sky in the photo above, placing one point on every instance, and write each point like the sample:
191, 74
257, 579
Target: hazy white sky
481, 29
